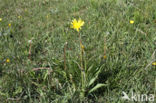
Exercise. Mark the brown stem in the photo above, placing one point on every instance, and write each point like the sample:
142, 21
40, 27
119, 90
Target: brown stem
65, 46
81, 52
30, 51
104, 48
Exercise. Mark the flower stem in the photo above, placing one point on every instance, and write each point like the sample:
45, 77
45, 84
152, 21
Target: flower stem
82, 94
81, 52
29, 51
65, 46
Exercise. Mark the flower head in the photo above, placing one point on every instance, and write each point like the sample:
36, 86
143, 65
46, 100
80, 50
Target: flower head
104, 56
82, 47
154, 63
131, 22
7, 60
19, 17
77, 24
0, 19
9, 25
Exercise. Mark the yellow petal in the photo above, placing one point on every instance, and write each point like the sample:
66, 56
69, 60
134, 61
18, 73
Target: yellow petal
81, 22
74, 21
77, 29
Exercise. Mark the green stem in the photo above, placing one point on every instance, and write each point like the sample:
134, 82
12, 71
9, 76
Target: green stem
82, 94
81, 52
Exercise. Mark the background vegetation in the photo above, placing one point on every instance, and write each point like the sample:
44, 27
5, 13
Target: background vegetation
116, 53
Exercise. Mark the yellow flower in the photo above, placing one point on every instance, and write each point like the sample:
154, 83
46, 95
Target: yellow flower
82, 47
0, 19
131, 22
104, 56
154, 63
7, 60
19, 17
9, 25
77, 24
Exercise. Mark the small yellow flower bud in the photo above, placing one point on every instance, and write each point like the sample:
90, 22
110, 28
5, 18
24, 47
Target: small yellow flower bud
131, 22
7, 60
104, 56
82, 47
0, 19
154, 63
9, 25
19, 17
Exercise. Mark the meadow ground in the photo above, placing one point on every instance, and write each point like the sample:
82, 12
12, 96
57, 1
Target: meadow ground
43, 60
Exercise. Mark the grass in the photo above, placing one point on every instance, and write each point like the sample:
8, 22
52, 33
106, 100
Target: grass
39, 75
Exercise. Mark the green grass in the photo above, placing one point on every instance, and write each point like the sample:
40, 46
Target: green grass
129, 49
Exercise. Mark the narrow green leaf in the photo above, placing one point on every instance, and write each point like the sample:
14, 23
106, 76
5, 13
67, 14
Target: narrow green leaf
92, 81
96, 87
89, 69
46, 74
95, 77
19, 90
